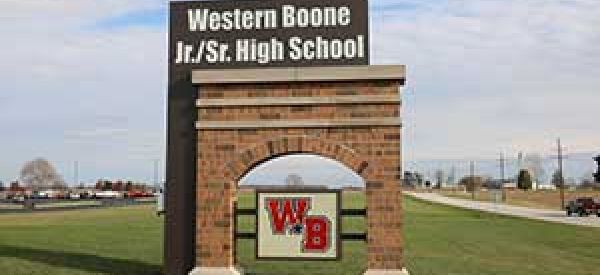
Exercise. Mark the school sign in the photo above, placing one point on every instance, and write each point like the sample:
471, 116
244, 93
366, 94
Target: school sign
234, 34
254, 80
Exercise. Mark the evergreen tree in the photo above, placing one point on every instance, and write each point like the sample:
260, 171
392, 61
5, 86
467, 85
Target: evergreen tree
524, 181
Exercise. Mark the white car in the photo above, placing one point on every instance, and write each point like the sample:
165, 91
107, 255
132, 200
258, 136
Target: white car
74, 196
19, 198
108, 195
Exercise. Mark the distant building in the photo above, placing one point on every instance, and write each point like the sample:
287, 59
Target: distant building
510, 185
544, 186
412, 179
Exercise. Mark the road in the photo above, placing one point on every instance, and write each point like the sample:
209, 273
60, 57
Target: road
509, 210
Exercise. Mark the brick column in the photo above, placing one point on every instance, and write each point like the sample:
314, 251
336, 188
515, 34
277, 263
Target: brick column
214, 208
384, 207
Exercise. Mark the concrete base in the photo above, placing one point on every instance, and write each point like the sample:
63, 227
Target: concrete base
386, 272
214, 271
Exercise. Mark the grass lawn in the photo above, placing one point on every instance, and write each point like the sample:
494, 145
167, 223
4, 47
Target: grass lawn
439, 240
124, 240
446, 240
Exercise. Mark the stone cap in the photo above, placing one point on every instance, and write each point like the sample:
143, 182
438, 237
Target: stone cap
300, 74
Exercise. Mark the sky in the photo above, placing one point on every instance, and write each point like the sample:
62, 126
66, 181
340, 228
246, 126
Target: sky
86, 80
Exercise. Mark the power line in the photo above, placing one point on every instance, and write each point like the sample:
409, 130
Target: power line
156, 184
76, 174
472, 178
502, 180
560, 174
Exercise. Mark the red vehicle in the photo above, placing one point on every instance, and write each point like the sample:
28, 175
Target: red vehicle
583, 207
138, 194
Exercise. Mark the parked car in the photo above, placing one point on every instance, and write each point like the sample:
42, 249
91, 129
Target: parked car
18, 199
40, 195
138, 194
583, 207
85, 195
108, 195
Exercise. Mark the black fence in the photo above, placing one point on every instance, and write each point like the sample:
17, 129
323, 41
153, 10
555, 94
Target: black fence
41, 205
343, 213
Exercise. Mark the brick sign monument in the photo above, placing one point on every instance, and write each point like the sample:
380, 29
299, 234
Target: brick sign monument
252, 80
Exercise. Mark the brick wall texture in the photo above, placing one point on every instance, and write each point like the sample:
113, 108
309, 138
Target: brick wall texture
373, 152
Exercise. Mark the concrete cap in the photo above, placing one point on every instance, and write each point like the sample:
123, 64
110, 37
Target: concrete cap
300, 74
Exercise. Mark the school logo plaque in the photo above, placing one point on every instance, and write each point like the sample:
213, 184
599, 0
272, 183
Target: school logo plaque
298, 225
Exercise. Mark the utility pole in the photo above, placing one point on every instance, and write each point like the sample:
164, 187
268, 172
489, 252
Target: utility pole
519, 162
560, 173
502, 180
472, 179
76, 174
453, 176
156, 185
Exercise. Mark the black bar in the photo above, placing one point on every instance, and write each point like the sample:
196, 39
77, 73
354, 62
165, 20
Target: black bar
343, 212
343, 236
353, 237
245, 235
245, 212
354, 212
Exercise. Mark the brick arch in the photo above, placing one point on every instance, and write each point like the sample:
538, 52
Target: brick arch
249, 158
241, 125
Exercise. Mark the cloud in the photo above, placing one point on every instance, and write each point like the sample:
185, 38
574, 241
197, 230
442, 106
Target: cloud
153, 17
485, 76
72, 92
86, 80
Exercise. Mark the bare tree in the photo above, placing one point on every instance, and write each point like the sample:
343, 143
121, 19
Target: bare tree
40, 174
587, 179
294, 180
451, 180
535, 165
439, 178
14, 186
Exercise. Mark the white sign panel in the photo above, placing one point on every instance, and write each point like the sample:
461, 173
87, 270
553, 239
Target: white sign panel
298, 225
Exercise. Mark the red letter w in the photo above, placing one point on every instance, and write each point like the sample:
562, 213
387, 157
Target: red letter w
293, 213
